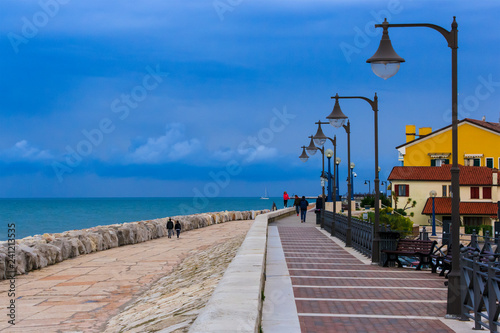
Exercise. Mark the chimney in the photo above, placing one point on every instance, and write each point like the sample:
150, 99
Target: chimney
424, 131
410, 133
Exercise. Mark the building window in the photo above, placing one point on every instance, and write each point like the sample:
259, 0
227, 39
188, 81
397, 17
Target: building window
473, 221
402, 190
439, 162
477, 162
444, 190
486, 192
489, 162
474, 192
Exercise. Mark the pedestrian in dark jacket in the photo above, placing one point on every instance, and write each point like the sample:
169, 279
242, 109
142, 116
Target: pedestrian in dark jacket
296, 203
178, 228
170, 227
303, 209
319, 204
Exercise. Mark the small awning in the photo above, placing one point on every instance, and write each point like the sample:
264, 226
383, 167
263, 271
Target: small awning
439, 155
473, 155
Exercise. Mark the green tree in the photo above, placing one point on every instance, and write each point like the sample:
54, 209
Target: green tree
410, 203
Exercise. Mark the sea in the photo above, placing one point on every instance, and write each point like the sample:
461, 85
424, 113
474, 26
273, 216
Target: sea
29, 217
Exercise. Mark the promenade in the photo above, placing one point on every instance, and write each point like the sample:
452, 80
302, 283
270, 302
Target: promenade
82, 294
315, 284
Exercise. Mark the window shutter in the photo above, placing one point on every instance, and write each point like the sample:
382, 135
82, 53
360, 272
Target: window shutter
433, 162
396, 190
486, 192
407, 190
447, 161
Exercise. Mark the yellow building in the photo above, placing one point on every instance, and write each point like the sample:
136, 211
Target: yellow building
478, 145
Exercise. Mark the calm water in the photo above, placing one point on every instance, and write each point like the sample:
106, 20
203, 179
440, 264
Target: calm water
38, 216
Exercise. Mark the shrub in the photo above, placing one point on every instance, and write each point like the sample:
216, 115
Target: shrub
396, 222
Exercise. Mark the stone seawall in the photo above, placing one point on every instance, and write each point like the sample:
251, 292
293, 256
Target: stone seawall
39, 251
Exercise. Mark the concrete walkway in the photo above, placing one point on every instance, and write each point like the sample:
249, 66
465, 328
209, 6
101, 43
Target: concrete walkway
315, 284
81, 294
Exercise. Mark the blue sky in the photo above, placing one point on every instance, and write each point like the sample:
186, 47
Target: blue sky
215, 98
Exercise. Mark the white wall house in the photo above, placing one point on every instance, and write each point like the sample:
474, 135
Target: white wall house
479, 192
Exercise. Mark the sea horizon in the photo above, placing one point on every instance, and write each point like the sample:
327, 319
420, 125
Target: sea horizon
36, 216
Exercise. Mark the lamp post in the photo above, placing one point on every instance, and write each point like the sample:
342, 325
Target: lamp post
329, 153
320, 139
311, 149
337, 162
433, 194
367, 182
374, 105
337, 119
385, 63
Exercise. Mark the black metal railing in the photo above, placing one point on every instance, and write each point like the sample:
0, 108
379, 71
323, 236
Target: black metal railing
480, 281
361, 233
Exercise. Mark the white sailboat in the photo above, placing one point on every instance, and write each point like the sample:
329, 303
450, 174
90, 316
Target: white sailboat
265, 197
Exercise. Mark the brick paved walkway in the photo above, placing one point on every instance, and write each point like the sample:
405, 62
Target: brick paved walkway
335, 291
81, 294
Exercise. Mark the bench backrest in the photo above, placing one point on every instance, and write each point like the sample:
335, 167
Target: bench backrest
411, 245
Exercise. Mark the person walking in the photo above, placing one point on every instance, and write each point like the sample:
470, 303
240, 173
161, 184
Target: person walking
296, 203
303, 209
170, 228
178, 228
319, 204
285, 199
319, 208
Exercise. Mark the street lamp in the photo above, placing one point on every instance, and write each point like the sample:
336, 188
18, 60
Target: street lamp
303, 157
319, 140
337, 162
329, 153
433, 194
374, 105
385, 63
311, 149
367, 182
337, 119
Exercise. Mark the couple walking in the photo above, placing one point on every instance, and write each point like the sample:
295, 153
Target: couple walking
170, 228
302, 205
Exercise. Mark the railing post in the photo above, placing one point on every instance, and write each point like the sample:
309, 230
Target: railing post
473, 239
477, 292
424, 235
492, 299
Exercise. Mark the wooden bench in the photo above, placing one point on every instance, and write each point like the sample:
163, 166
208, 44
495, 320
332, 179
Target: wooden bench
411, 248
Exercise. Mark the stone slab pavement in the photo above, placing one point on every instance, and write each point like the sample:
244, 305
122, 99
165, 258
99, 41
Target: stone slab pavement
83, 293
315, 284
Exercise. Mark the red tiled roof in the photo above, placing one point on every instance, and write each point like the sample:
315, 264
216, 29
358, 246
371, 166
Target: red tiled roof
442, 206
492, 126
469, 175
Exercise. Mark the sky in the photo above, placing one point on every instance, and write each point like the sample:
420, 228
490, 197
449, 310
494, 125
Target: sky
214, 98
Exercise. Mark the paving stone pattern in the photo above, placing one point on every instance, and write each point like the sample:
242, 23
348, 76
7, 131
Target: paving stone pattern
336, 292
83, 293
